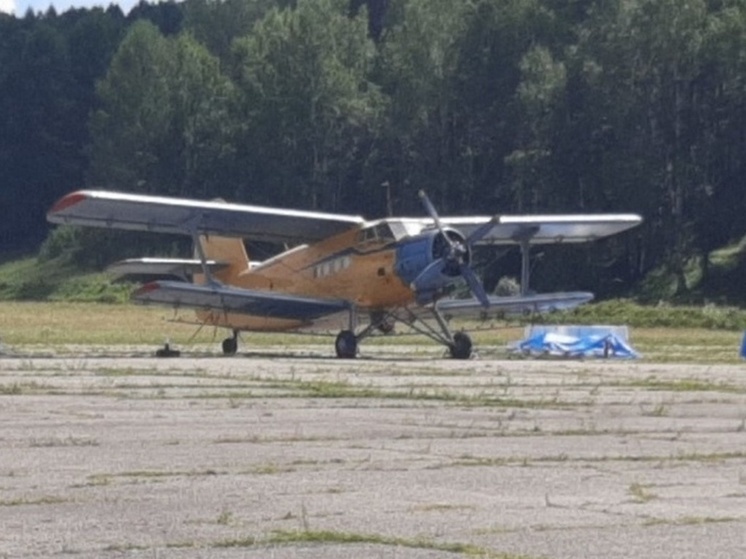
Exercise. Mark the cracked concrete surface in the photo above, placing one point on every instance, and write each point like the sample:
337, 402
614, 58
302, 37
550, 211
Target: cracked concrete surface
123, 455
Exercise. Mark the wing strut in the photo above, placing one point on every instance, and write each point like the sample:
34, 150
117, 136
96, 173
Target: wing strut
525, 266
194, 232
523, 238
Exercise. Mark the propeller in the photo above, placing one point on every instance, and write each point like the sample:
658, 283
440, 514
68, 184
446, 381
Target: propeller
454, 260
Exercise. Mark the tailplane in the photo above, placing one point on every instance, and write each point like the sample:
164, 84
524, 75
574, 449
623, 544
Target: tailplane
228, 251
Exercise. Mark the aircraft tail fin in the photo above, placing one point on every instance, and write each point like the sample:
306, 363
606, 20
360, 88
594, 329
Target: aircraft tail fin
229, 251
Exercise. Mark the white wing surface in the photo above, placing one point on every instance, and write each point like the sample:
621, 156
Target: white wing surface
514, 305
545, 229
159, 214
183, 216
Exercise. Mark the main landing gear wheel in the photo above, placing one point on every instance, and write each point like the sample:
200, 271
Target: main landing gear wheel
346, 345
230, 345
461, 346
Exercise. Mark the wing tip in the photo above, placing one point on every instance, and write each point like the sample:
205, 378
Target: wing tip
146, 289
66, 202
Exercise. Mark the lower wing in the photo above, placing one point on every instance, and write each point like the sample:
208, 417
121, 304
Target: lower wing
519, 304
219, 297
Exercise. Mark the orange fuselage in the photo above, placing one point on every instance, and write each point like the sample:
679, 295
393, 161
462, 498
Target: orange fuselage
345, 266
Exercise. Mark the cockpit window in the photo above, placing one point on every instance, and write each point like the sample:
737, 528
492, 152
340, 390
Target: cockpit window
368, 234
384, 233
378, 232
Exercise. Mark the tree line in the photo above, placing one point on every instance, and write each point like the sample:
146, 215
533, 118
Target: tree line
492, 106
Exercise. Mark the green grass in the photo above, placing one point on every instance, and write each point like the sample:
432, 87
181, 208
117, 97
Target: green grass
623, 311
641, 493
52, 303
326, 537
49, 500
29, 279
59, 279
682, 385
59, 324
690, 520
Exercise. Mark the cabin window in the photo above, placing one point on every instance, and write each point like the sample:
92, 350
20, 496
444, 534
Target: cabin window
384, 233
332, 266
380, 232
367, 235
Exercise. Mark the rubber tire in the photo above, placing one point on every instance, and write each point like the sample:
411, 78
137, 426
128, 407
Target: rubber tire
386, 327
461, 346
230, 346
346, 345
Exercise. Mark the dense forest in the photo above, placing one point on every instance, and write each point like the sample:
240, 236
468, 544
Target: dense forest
492, 106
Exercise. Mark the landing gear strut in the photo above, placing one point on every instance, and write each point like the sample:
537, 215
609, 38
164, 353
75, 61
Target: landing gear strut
230, 345
459, 344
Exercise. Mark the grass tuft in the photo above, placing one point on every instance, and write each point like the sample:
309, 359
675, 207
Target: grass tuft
353, 538
641, 493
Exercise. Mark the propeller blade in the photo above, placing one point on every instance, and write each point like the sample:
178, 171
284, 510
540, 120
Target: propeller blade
430, 209
475, 286
482, 230
433, 213
455, 256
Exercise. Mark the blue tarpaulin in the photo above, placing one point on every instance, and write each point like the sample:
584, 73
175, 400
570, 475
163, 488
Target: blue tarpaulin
588, 342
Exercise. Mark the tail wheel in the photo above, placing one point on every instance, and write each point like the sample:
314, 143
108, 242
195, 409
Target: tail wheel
346, 345
230, 346
461, 346
386, 326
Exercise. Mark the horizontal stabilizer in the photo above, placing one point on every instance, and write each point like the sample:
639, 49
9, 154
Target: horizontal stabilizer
223, 298
178, 267
515, 305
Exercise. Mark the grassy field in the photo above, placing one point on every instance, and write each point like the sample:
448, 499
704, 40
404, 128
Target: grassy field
58, 324
52, 303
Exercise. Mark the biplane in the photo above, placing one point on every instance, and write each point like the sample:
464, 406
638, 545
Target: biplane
341, 273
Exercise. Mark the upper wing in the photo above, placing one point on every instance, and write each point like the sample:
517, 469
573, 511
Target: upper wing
183, 216
174, 215
520, 304
232, 299
545, 229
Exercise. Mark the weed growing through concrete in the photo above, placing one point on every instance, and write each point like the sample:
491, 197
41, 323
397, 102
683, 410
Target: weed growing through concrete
641, 492
46, 500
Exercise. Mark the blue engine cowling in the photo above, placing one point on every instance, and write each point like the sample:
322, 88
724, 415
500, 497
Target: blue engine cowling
416, 260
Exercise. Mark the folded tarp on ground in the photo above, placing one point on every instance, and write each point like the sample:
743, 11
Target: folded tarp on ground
576, 342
